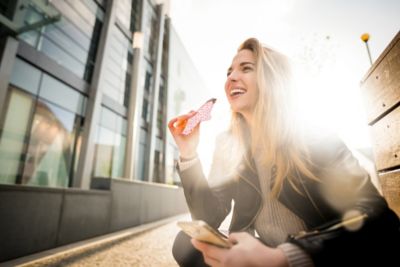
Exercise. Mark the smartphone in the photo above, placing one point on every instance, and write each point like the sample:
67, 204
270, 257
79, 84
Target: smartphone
201, 231
202, 114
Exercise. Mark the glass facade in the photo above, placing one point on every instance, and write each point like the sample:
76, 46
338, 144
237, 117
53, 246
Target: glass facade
117, 77
110, 145
6, 8
3, 7
158, 172
42, 119
146, 98
119, 57
129, 17
150, 29
40, 136
51, 147
72, 41
145, 126
14, 133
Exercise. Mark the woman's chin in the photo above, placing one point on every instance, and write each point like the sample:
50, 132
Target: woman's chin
237, 107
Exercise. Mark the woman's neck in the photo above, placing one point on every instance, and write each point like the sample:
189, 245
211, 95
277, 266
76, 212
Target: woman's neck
248, 118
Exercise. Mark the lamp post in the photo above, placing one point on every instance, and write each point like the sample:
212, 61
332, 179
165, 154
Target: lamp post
365, 38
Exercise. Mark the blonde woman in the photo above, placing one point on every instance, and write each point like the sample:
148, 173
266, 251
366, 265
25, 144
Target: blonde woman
304, 195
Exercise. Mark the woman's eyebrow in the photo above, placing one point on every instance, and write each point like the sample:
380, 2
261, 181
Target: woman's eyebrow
247, 62
242, 64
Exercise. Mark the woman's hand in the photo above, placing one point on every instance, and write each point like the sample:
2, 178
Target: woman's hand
187, 144
246, 251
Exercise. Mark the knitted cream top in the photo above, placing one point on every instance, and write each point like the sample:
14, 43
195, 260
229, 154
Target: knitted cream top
274, 222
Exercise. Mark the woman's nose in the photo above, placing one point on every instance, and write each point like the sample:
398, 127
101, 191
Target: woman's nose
233, 76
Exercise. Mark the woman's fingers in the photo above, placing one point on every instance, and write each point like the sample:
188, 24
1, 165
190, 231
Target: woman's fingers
171, 123
213, 255
180, 121
173, 127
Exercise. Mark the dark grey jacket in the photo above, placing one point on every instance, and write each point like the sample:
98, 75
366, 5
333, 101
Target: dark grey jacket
344, 186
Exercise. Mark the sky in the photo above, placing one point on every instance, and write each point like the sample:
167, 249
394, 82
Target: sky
322, 37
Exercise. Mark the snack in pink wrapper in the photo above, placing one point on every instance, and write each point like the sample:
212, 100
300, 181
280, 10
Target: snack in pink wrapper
203, 114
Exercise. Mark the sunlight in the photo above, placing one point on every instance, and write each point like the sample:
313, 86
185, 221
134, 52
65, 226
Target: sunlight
279, 8
331, 100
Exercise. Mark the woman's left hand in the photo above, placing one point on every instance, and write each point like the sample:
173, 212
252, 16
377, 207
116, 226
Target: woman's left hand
246, 251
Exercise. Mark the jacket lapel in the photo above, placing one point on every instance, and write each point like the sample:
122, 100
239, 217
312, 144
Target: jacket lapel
248, 199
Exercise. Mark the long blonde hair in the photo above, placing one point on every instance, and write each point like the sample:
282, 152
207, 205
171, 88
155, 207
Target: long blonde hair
275, 133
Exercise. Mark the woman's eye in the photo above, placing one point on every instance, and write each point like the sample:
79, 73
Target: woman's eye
245, 69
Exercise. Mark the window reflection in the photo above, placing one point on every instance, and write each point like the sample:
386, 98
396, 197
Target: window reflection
13, 135
110, 145
69, 43
41, 129
104, 150
48, 160
118, 67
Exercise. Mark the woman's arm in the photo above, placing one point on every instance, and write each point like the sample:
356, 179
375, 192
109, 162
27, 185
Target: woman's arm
208, 203
204, 203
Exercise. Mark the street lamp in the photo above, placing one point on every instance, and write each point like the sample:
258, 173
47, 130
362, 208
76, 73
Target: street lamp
365, 38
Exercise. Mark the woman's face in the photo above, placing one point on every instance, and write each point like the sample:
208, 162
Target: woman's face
241, 83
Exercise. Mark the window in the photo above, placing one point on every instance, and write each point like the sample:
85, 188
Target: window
129, 17
150, 28
25, 76
110, 145
41, 133
146, 98
118, 68
72, 41
59, 93
104, 151
49, 157
145, 110
14, 135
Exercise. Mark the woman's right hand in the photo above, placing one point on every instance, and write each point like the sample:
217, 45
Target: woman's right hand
187, 144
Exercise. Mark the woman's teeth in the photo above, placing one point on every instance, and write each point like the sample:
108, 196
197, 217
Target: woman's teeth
237, 91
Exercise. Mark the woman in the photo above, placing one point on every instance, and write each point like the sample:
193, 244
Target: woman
305, 195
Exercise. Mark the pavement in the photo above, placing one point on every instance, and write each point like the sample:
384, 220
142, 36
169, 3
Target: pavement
145, 245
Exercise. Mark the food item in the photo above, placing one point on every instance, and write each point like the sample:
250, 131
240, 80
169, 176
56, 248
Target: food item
202, 114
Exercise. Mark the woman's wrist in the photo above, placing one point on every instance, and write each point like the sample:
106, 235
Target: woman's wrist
187, 157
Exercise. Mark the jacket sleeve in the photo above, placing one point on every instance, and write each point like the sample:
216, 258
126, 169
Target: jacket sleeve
347, 188
208, 200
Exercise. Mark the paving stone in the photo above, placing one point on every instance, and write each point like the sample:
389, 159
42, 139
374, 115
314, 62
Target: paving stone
150, 248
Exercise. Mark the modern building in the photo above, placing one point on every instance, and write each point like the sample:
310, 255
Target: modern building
186, 91
86, 88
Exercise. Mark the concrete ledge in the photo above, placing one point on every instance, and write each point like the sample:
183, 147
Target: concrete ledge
72, 250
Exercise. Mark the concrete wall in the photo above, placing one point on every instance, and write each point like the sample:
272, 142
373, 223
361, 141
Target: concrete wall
34, 219
29, 219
